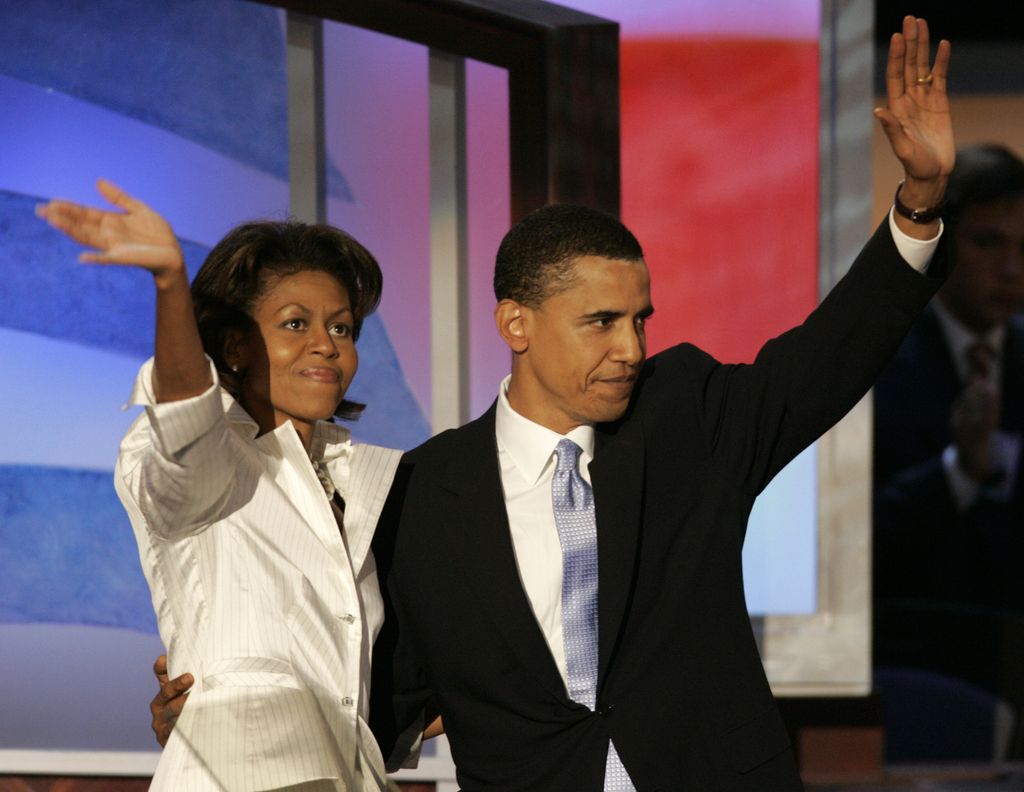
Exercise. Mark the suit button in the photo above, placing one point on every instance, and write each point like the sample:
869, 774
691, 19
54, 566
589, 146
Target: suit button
606, 711
348, 618
347, 701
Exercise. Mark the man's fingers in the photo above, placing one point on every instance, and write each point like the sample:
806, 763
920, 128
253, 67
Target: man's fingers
174, 708
171, 690
165, 718
894, 85
177, 686
923, 49
941, 66
160, 668
910, 74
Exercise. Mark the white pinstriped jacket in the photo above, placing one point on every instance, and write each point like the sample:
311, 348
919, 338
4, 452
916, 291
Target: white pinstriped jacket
255, 591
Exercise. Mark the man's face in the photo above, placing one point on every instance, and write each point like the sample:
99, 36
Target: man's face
987, 286
584, 346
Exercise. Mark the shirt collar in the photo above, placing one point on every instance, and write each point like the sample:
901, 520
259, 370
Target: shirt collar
959, 337
330, 441
531, 445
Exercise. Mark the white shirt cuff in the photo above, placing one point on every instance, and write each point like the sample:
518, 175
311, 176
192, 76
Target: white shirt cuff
406, 753
178, 424
916, 252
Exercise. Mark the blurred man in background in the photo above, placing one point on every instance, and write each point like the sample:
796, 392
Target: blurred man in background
949, 409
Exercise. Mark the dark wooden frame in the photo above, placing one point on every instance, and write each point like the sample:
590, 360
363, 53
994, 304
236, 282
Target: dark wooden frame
563, 68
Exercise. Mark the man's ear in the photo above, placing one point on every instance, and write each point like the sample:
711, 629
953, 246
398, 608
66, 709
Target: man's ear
236, 349
512, 326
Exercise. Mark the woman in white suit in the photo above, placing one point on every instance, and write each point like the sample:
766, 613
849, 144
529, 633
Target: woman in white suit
252, 508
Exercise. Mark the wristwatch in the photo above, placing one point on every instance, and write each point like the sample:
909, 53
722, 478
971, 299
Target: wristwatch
922, 216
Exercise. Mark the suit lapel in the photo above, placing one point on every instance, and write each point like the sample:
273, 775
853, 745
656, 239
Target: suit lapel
617, 474
933, 372
477, 529
943, 370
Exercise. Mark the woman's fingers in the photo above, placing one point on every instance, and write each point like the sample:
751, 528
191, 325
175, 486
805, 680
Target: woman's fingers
118, 197
151, 257
81, 223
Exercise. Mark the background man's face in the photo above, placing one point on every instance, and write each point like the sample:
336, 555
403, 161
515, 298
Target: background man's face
586, 344
987, 286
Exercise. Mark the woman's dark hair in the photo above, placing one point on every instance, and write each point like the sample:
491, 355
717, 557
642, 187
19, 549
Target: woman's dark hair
245, 263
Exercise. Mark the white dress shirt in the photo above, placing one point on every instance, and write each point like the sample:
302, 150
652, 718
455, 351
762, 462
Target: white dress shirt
526, 456
256, 593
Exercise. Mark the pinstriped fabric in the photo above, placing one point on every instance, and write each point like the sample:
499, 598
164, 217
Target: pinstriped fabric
256, 594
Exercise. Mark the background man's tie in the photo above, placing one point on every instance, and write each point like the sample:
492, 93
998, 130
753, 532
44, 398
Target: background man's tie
573, 503
980, 356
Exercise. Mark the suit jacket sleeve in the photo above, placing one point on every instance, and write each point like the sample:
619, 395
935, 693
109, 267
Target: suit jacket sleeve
400, 697
759, 416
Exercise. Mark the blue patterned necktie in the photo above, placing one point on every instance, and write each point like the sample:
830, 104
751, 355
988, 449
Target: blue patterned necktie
572, 500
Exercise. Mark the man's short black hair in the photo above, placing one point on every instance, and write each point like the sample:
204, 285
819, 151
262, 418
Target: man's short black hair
536, 257
983, 174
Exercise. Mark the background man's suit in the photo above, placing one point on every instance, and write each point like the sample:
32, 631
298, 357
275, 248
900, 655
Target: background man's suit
681, 688
925, 546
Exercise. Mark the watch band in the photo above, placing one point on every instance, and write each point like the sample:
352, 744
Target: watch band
921, 216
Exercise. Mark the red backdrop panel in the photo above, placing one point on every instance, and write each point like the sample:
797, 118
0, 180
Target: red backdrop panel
720, 184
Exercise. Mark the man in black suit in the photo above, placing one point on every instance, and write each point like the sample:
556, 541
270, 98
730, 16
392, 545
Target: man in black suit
583, 626
949, 410
480, 571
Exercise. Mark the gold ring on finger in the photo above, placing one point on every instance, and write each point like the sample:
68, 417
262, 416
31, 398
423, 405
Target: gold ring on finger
926, 80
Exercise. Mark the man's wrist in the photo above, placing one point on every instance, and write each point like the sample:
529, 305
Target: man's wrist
921, 215
922, 194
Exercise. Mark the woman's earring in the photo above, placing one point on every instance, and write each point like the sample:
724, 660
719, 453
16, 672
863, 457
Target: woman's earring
234, 367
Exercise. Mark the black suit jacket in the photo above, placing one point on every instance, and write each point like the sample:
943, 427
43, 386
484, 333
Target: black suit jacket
924, 546
681, 689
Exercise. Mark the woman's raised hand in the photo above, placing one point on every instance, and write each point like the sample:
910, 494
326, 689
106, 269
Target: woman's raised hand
135, 235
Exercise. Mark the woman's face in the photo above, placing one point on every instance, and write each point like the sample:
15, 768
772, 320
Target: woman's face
299, 359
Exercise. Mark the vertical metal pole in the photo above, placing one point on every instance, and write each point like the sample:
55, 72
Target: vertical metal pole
449, 303
307, 191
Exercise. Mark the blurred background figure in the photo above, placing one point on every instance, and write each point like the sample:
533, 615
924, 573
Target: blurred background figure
949, 503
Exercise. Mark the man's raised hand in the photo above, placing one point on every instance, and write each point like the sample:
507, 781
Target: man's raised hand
916, 117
